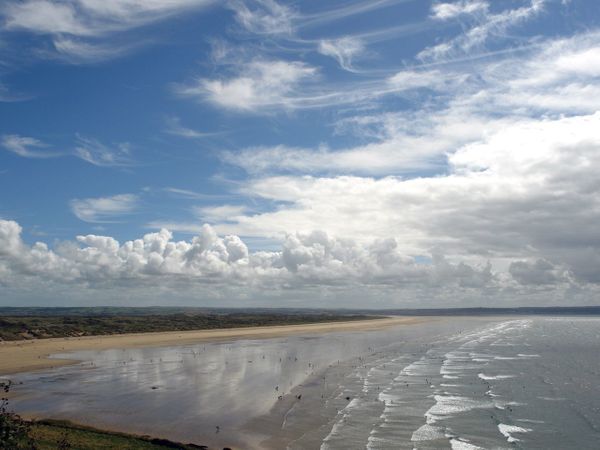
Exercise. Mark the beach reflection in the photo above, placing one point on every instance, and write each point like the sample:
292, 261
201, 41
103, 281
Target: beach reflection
183, 392
201, 393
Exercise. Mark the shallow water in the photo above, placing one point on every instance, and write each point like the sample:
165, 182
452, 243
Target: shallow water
523, 383
461, 383
186, 392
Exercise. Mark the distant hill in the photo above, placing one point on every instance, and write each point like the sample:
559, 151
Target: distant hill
171, 310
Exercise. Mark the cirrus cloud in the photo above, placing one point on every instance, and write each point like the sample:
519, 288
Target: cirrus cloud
260, 85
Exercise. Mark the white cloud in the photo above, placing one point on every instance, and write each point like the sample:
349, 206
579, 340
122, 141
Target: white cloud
25, 146
452, 108
312, 266
193, 195
220, 213
304, 260
78, 51
260, 85
410, 79
87, 149
85, 19
562, 77
446, 11
90, 17
257, 85
104, 209
526, 190
269, 17
344, 50
98, 154
488, 24
375, 158
175, 128
265, 17
44, 17
397, 143
347, 9
487, 172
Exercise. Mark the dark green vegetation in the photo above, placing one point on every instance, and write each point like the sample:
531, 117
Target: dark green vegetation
14, 431
19, 327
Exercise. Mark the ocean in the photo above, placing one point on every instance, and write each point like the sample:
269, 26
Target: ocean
526, 383
445, 383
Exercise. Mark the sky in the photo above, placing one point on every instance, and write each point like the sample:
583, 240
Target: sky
339, 154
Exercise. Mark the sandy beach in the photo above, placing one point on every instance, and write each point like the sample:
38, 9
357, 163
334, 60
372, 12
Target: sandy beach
25, 356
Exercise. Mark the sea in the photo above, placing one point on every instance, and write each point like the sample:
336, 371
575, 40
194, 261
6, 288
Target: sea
464, 383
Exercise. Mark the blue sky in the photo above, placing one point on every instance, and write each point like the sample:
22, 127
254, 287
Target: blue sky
382, 153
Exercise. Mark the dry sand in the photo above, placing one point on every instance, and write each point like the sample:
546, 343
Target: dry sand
26, 356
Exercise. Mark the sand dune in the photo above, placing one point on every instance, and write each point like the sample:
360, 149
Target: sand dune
25, 356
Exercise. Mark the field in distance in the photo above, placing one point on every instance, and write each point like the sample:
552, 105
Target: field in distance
40, 323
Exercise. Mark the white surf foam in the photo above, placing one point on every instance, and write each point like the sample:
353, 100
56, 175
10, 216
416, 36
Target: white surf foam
458, 444
508, 430
494, 377
428, 432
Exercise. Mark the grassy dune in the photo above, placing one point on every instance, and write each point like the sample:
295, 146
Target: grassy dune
13, 328
52, 435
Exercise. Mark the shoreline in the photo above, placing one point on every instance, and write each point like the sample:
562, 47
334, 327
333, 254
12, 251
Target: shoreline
34, 355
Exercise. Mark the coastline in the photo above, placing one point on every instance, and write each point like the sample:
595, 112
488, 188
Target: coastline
33, 355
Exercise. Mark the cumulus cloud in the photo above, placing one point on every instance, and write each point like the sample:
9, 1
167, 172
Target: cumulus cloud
104, 209
525, 191
539, 272
498, 227
484, 180
304, 260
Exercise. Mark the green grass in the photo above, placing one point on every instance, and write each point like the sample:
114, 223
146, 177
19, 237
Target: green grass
39, 327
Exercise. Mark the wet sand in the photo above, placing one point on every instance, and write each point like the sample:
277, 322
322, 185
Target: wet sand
26, 356
260, 392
